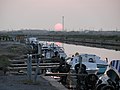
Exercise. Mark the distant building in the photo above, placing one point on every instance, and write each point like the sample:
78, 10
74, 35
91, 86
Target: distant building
20, 38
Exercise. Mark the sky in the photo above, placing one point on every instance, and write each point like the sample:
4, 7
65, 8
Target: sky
45, 14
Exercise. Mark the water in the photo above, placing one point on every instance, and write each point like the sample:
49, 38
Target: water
71, 49
103, 53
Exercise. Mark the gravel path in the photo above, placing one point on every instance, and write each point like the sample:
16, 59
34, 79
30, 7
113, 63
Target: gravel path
17, 83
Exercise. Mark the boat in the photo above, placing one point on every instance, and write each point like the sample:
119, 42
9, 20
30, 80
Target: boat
31, 40
49, 50
110, 80
115, 64
92, 58
92, 62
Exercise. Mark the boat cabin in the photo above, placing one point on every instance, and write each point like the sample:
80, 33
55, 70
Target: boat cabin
89, 58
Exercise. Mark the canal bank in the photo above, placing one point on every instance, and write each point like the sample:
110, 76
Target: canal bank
108, 42
20, 82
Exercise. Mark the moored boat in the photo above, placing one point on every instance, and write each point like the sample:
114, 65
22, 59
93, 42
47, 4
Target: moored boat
49, 50
110, 80
91, 61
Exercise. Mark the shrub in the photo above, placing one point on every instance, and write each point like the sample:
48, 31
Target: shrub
4, 63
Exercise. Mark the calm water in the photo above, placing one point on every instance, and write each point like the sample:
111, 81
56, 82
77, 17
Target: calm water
71, 49
103, 53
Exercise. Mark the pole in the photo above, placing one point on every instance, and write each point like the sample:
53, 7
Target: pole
80, 60
39, 49
29, 67
37, 69
63, 22
38, 61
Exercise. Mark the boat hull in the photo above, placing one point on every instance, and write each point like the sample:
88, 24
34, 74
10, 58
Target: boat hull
92, 71
102, 68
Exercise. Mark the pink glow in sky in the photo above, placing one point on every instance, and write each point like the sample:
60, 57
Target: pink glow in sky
43, 14
58, 27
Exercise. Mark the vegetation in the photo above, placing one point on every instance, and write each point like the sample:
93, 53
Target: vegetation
4, 63
96, 37
30, 82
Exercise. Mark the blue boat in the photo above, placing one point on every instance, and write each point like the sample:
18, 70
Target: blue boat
115, 64
110, 80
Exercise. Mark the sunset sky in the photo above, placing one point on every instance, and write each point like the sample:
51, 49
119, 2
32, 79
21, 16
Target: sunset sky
45, 14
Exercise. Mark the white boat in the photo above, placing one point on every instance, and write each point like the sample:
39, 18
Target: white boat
115, 64
110, 80
92, 62
50, 49
31, 40
91, 58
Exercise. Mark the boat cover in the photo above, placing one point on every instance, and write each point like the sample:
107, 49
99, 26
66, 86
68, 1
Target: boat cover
116, 65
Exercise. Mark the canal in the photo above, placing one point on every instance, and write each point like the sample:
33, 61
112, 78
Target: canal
71, 49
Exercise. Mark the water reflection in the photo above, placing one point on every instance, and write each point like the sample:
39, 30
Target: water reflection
103, 53
71, 49
101, 45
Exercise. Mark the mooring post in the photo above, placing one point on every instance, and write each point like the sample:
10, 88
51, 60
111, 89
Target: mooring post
80, 60
39, 48
70, 79
37, 69
29, 67
38, 61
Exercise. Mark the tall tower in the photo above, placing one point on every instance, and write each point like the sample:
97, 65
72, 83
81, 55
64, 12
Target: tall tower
63, 30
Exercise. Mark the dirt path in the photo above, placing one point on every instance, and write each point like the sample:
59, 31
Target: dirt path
18, 83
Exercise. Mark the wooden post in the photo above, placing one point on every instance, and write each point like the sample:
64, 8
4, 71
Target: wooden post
37, 69
39, 48
80, 60
29, 67
70, 79
38, 61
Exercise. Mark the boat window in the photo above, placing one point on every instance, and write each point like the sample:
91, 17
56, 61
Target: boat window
75, 60
91, 60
